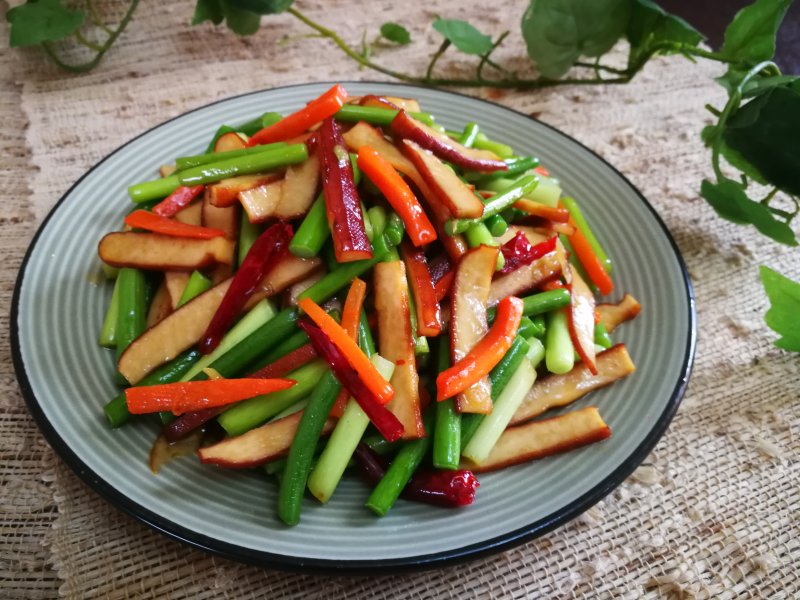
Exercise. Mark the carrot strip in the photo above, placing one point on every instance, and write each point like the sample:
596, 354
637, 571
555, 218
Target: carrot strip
398, 194
485, 355
197, 395
298, 122
591, 263
358, 361
559, 215
142, 219
351, 315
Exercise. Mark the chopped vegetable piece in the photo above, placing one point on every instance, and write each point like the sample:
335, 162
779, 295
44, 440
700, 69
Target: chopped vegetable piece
298, 122
429, 319
580, 222
354, 356
383, 420
343, 442
399, 195
447, 427
342, 202
197, 284
287, 363
179, 199
493, 206
398, 474
251, 413
195, 395
484, 355
506, 404
449, 489
263, 256
131, 309
375, 115
559, 351
552, 213
301, 452
590, 261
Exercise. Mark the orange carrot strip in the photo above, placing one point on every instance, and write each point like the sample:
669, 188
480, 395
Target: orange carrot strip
142, 219
560, 215
357, 360
399, 195
196, 395
587, 257
351, 315
485, 355
298, 122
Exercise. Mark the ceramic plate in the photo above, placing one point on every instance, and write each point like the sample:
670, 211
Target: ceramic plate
66, 377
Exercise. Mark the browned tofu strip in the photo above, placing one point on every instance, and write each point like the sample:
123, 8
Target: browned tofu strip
559, 390
543, 438
182, 329
613, 315
258, 445
163, 252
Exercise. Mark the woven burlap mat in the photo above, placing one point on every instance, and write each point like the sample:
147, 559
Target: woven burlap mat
713, 512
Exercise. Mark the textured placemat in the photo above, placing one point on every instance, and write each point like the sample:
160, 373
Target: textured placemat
712, 513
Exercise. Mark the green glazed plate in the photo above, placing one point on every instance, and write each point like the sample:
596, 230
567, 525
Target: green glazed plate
66, 377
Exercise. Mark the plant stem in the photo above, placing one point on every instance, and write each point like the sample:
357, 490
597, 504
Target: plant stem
94, 15
436, 55
89, 65
524, 84
485, 58
601, 67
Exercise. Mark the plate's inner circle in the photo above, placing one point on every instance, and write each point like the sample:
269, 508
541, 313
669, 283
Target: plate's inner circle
61, 306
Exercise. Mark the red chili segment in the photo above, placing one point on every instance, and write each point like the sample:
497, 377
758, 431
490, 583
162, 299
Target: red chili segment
429, 319
178, 200
342, 203
264, 254
354, 356
518, 251
384, 421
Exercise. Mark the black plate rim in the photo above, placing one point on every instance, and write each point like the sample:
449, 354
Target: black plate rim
355, 567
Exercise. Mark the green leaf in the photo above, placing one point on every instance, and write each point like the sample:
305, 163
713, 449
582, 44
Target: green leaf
463, 36
262, 7
650, 26
394, 32
729, 199
43, 21
241, 22
750, 37
766, 133
784, 299
208, 10
558, 32
734, 159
